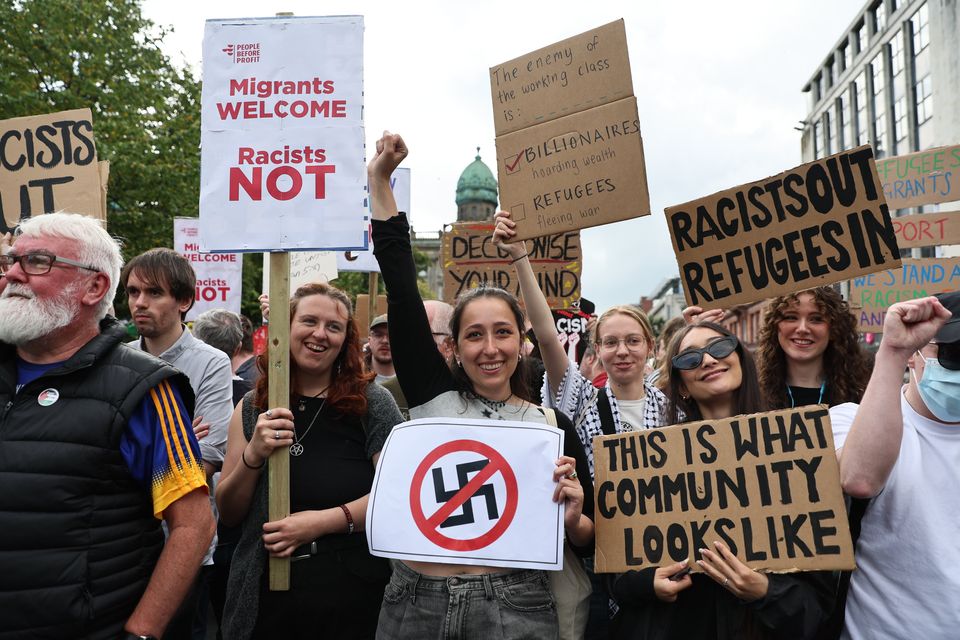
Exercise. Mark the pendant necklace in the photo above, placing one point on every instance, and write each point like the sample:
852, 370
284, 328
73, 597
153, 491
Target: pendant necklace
303, 401
296, 449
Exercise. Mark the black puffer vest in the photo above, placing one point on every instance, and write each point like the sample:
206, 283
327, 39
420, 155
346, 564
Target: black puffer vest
78, 540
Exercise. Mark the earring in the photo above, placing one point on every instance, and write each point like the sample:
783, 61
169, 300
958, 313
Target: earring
459, 364
519, 357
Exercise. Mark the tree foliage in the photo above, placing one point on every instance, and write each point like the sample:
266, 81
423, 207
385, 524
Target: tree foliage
103, 54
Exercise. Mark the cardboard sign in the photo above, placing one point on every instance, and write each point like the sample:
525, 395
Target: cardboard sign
219, 275
361, 311
569, 149
814, 225
767, 485
305, 267
872, 295
927, 229
472, 492
282, 138
470, 259
49, 163
925, 177
365, 260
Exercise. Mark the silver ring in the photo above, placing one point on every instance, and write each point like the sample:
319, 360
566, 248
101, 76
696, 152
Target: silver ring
268, 413
726, 581
276, 435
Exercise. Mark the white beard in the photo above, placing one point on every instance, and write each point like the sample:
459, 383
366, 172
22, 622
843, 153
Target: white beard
23, 320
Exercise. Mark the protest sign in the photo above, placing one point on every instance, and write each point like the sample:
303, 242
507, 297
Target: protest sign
925, 177
813, 225
927, 229
306, 267
365, 260
469, 259
767, 485
472, 492
872, 295
569, 149
49, 163
571, 327
361, 311
219, 275
282, 137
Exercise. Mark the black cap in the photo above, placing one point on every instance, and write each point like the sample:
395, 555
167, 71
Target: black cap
950, 332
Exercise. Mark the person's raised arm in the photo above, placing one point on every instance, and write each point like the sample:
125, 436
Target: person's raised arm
873, 444
555, 359
390, 152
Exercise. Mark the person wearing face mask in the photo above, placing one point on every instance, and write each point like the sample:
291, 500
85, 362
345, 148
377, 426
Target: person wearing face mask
901, 448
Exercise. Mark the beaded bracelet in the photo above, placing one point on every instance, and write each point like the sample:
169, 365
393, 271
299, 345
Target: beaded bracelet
346, 512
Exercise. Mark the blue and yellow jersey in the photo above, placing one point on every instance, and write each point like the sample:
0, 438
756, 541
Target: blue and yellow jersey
160, 449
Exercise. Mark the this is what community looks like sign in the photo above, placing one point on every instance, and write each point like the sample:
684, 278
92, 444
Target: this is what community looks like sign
471, 492
282, 139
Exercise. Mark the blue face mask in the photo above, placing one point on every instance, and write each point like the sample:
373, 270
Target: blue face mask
940, 390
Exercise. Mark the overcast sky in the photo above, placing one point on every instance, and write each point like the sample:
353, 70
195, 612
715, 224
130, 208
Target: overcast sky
718, 86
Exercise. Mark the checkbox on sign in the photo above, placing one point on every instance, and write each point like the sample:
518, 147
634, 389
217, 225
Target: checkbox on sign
513, 164
518, 213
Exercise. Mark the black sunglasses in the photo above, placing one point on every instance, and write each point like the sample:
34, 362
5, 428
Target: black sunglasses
692, 358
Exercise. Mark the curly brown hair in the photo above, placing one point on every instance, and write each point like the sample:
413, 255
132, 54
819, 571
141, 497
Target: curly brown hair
348, 381
846, 366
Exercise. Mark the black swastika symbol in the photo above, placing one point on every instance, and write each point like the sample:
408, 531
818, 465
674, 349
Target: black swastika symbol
486, 491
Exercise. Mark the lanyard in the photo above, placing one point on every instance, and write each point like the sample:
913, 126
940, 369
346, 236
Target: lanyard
823, 387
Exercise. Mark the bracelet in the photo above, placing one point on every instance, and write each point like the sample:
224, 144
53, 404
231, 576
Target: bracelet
520, 258
346, 512
247, 464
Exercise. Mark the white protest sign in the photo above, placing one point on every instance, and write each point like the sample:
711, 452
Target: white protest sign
470, 492
219, 275
282, 137
364, 260
305, 267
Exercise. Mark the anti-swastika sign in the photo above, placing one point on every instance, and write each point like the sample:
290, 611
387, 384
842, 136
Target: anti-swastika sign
468, 492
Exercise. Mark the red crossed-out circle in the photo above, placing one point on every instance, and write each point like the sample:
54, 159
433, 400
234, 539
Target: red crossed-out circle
429, 526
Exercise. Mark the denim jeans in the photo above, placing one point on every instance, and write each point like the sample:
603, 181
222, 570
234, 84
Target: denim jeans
497, 606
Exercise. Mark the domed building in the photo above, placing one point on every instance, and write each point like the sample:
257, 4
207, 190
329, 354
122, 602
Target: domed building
476, 201
476, 192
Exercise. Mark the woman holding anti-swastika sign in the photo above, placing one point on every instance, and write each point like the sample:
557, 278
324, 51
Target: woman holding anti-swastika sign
486, 380
712, 377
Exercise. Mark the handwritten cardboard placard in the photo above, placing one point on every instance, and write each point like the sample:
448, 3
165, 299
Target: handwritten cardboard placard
813, 225
925, 177
927, 229
49, 163
570, 76
569, 149
767, 485
872, 295
305, 267
470, 259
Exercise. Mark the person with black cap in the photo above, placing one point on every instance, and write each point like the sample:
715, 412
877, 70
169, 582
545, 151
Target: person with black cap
900, 447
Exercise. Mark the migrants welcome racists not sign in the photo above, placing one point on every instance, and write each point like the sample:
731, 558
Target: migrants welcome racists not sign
282, 135
468, 492
569, 151
767, 485
470, 259
814, 225
219, 275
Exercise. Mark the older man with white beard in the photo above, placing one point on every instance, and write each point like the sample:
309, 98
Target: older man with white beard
95, 448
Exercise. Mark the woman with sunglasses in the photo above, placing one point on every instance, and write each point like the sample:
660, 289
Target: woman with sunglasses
809, 351
623, 339
486, 380
712, 377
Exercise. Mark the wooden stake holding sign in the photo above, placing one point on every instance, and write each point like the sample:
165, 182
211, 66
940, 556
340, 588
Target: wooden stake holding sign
372, 286
278, 395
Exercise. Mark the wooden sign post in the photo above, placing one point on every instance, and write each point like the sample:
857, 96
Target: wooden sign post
278, 395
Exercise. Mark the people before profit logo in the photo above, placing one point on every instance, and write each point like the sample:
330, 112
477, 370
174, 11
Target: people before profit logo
228, 50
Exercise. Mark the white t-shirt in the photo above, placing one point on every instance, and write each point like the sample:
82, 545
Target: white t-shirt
631, 414
907, 582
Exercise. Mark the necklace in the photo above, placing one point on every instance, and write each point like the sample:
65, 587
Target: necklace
303, 401
495, 405
296, 449
823, 387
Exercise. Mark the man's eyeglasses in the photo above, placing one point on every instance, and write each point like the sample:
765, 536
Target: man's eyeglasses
37, 264
692, 358
633, 343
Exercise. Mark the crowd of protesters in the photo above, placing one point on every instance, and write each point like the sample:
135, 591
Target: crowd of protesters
135, 497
